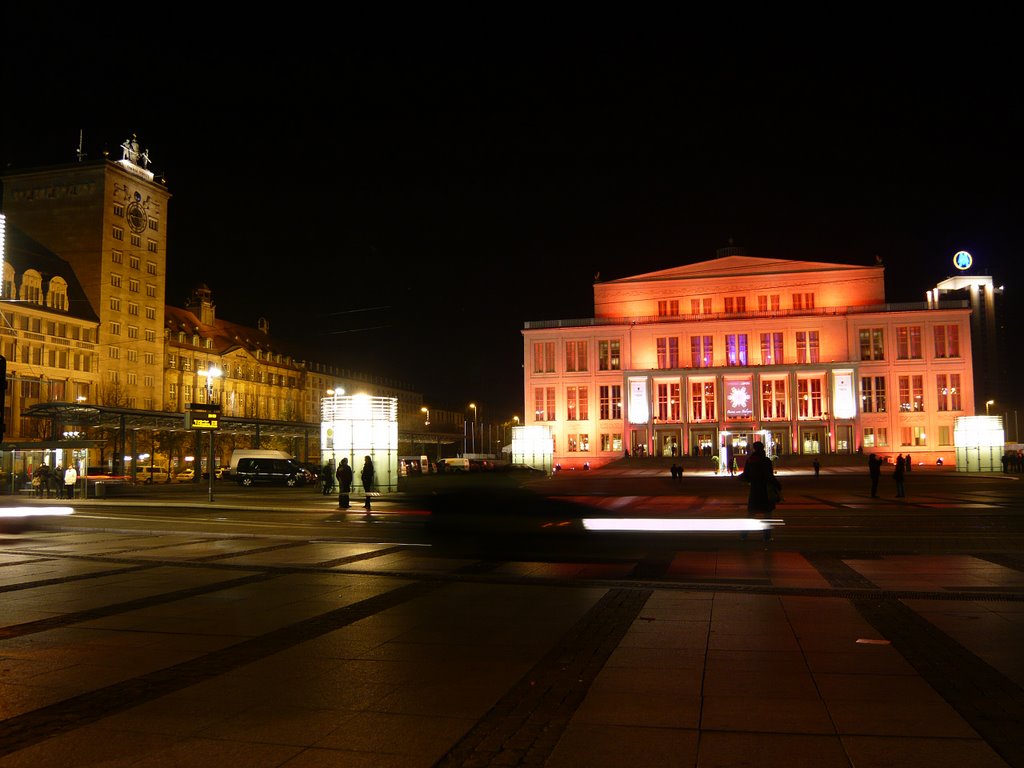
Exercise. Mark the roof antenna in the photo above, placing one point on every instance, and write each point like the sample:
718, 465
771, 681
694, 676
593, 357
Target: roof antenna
80, 153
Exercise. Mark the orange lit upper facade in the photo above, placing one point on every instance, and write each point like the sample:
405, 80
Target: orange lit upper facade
704, 359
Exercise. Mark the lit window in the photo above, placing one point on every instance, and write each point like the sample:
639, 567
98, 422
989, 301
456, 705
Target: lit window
608, 355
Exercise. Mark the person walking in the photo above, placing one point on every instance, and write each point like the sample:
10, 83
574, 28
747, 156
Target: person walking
897, 475
368, 479
344, 476
57, 478
70, 478
817, 466
875, 470
759, 472
907, 463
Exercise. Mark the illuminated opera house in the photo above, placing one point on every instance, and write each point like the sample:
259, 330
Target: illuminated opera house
703, 359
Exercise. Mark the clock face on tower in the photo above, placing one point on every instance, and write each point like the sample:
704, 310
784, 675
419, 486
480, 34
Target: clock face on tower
136, 217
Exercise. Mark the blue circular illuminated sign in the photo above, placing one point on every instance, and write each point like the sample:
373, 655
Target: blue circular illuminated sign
962, 260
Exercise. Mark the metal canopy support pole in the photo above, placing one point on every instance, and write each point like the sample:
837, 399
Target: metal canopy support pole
119, 459
209, 464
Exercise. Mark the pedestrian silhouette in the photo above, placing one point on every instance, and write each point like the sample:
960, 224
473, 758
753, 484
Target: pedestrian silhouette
344, 476
327, 477
759, 472
369, 481
897, 475
875, 470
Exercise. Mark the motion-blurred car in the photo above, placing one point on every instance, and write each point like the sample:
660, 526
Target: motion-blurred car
185, 476
312, 471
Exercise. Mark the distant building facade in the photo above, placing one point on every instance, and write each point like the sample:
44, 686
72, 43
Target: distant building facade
108, 220
702, 360
83, 316
48, 335
989, 336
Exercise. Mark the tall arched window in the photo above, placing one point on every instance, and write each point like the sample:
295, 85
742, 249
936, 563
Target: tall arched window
31, 287
8, 284
57, 296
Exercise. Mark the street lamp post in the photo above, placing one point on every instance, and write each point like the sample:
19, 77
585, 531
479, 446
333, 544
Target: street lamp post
987, 404
211, 373
473, 407
437, 443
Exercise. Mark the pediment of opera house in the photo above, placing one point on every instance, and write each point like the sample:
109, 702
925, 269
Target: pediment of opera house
730, 267
817, 284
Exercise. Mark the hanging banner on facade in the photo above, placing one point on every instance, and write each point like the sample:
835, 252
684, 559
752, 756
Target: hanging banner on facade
639, 409
844, 404
739, 399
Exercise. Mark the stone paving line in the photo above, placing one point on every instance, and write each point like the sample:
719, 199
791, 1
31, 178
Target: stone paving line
988, 701
539, 717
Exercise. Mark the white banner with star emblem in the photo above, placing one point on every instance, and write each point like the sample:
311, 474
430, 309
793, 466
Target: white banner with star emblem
739, 399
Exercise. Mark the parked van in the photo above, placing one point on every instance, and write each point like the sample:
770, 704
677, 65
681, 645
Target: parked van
254, 453
453, 465
150, 474
270, 471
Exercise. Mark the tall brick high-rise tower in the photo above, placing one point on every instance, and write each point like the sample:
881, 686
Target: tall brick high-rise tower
108, 220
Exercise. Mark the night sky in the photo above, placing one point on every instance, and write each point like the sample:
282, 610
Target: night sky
403, 205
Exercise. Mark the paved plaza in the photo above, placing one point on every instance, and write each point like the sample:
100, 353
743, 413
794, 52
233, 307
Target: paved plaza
155, 647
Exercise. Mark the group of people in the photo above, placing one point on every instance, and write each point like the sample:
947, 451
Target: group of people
1013, 461
766, 490
677, 471
903, 465
59, 481
345, 477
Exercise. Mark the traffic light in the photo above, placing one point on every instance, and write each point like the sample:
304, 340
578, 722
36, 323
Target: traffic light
3, 393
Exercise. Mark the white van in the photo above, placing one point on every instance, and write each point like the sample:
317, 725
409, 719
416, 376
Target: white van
148, 474
254, 453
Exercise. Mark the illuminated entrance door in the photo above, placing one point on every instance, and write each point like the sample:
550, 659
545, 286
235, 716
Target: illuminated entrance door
703, 442
639, 439
844, 438
669, 443
777, 442
810, 441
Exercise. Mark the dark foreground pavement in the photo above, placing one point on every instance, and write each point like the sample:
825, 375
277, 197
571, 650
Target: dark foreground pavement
132, 644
